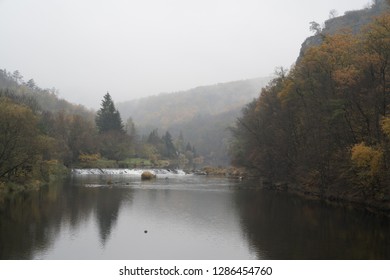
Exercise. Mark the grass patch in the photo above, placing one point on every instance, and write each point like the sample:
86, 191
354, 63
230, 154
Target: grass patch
134, 163
99, 163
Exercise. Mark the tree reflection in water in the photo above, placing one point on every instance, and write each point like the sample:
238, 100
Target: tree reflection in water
201, 218
30, 222
284, 226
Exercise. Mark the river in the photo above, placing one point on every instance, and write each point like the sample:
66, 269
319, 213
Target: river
176, 216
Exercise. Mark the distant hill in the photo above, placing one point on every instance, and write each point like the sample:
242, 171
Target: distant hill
201, 114
210, 135
43, 99
168, 109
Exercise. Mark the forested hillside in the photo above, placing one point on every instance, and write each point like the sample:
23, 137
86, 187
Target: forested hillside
169, 109
40, 133
43, 99
323, 128
43, 136
201, 115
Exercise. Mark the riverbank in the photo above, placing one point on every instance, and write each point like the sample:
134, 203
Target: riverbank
10, 187
336, 194
49, 172
230, 172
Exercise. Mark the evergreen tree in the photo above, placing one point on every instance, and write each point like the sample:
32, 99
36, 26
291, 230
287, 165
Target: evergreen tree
130, 128
154, 139
180, 144
108, 117
170, 150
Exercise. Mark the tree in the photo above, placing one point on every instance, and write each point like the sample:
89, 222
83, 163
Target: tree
20, 142
108, 117
115, 145
18, 78
82, 136
130, 128
179, 144
169, 148
325, 124
114, 142
315, 27
377, 41
333, 13
31, 84
154, 139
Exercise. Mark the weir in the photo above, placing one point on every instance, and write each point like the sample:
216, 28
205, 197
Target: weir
130, 172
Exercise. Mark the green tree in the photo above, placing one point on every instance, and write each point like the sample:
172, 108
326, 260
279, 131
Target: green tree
130, 128
31, 84
18, 78
115, 145
180, 144
82, 136
108, 117
154, 139
169, 148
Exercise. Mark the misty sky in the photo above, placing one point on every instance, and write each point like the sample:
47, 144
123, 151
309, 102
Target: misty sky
135, 48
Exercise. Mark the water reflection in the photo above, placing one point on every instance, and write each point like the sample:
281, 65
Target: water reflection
187, 218
108, 203
281, 226
31, 222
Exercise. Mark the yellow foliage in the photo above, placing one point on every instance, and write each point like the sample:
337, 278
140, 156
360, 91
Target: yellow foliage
20, 145
286, 90
89, 157
366, 158
51, 162
346, 77
386, 126
199, 160
378, 36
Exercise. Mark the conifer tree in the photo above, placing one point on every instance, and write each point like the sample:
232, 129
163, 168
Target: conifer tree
170, 150
108, 117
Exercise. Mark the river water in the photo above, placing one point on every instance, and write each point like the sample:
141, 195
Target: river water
176, 216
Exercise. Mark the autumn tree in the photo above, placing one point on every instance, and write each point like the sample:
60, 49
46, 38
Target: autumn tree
82, 136
115, 145
20, 142
325, 123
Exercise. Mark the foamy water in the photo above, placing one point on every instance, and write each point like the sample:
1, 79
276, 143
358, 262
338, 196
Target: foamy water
131, 172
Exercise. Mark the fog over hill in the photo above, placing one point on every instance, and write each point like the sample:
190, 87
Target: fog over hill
168, 109
202, 114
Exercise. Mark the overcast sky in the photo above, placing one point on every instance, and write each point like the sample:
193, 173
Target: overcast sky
136, 48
